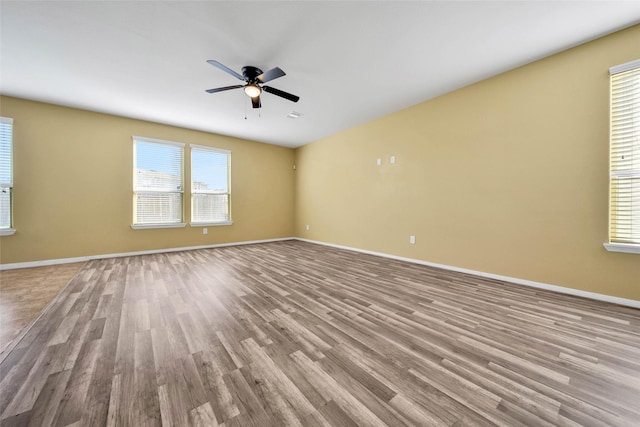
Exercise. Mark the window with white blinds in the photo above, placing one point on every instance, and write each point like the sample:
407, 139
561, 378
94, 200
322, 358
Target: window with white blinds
6, 175
157, 183
210, 189
624, 216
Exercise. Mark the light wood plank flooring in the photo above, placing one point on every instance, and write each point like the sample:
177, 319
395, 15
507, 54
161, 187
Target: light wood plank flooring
292, 333
25, 292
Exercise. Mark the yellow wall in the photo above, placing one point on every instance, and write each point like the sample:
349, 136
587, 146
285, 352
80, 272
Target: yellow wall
73, 186
507, 176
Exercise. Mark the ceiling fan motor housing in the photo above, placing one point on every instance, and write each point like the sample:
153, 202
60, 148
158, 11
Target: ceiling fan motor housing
251, 73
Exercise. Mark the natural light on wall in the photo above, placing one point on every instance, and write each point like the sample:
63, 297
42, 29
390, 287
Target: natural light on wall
624, 213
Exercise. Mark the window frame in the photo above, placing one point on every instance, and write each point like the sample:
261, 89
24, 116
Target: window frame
228, 221
140, 226
9, 230
633, 173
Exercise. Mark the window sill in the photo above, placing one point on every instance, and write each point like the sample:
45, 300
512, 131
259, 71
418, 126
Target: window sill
210, 224
622, 247
7, 231
150, 226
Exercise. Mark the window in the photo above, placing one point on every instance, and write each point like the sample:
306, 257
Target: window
210, 190
624, 188
6, 176
157, 183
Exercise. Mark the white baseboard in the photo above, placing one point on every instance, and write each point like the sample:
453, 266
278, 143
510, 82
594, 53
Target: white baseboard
546, 286
125, 254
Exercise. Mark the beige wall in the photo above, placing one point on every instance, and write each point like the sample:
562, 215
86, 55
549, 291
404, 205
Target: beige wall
507, 176
73, 186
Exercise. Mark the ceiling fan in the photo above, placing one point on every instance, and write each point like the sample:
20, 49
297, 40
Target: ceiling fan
254, 79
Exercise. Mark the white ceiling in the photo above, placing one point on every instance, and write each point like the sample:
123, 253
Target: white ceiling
350, 62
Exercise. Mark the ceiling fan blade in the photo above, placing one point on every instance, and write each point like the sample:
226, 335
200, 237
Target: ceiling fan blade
221, 89
281, 93
225, 69
272, 74
255, 101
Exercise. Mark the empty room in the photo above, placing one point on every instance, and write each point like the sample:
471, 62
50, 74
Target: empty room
319, 213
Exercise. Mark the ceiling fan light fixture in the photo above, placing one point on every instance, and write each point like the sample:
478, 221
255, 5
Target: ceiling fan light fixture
252, 78
252, 90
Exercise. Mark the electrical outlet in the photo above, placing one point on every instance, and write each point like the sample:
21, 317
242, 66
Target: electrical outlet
412, 240
379, 162
307, 227
205, 230
392, 160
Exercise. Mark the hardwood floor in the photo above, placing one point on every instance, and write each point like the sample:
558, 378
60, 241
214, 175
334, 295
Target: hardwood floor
292, 333
25, 292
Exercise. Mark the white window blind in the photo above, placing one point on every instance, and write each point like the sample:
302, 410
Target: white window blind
6, 172
624, 215
210, 189
158, 182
